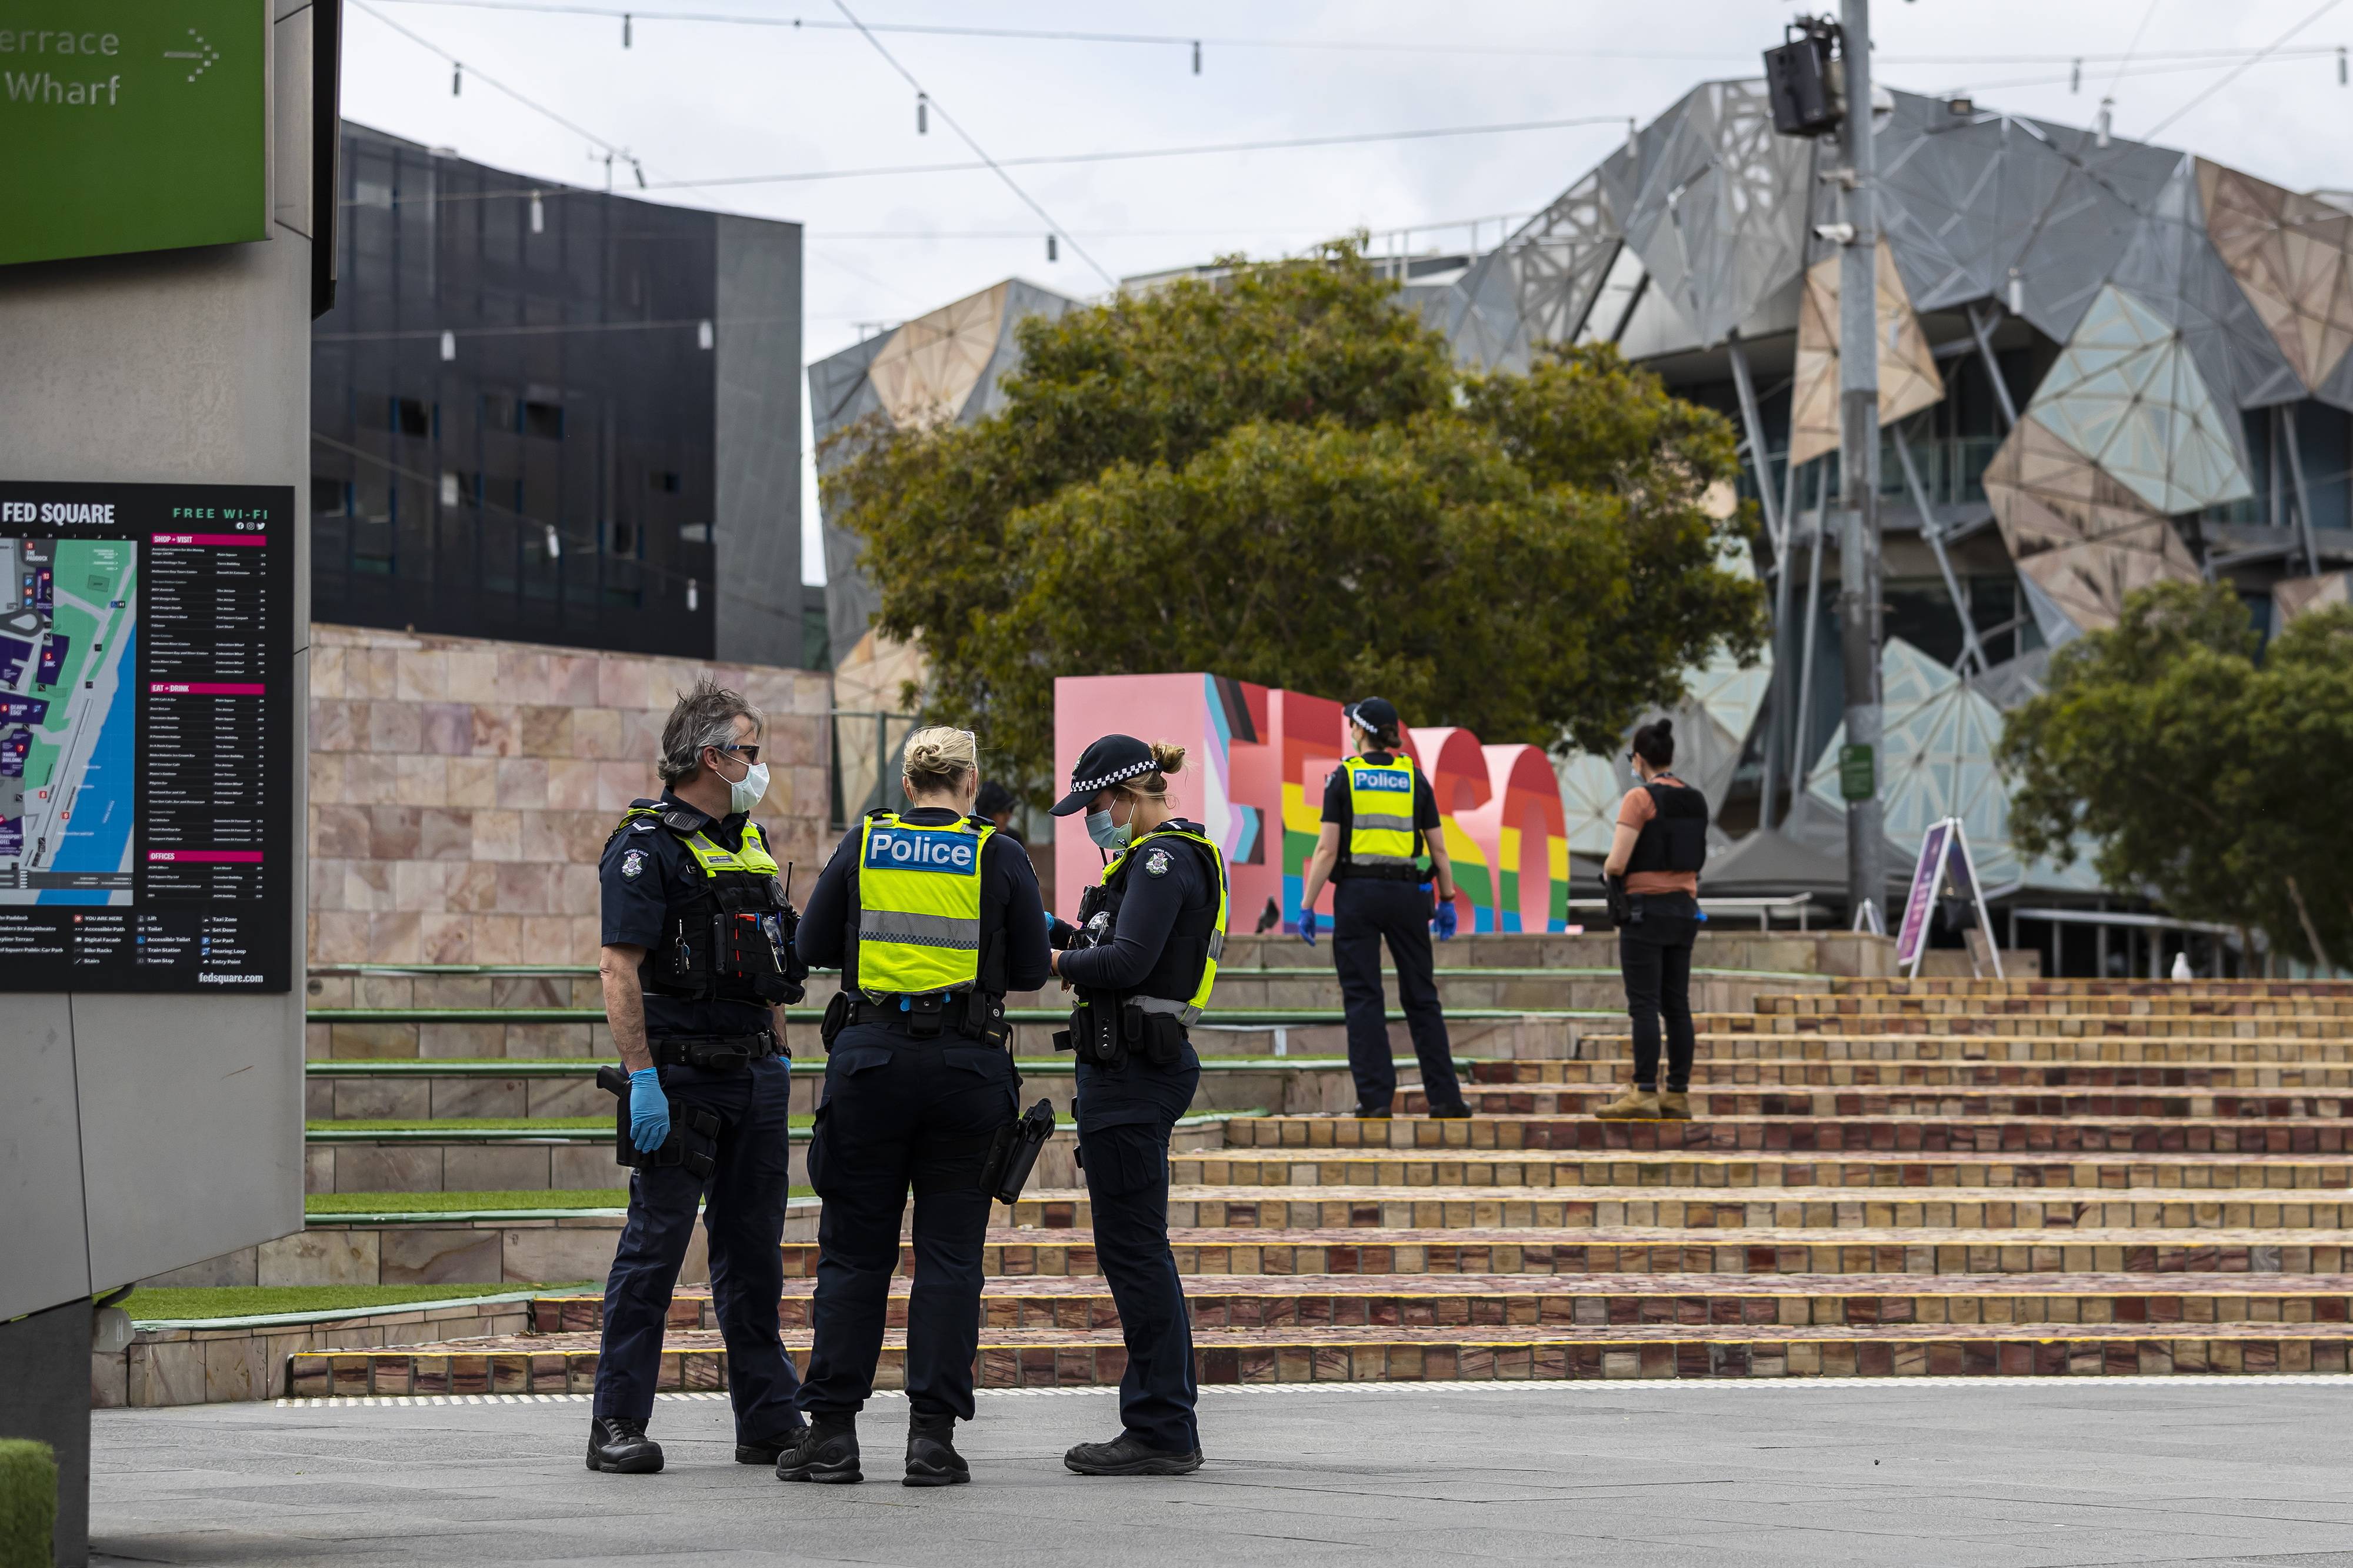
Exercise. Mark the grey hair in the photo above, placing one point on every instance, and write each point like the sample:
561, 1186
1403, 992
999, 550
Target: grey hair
704, 717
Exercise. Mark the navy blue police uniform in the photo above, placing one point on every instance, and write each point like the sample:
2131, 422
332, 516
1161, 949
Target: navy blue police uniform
916, 1089
1371, 905
658, 896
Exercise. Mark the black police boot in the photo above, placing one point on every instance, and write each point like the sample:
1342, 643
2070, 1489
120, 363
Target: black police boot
931, 1458
826, 1450
1129, 1455
1367, 1111
619, 1447
1458, 1111
768, 1450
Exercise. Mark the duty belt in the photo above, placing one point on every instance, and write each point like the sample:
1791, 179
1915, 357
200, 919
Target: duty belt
714, 1053
1359, 870
925, 1018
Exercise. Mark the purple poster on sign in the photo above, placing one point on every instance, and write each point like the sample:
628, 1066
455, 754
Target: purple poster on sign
1913, 938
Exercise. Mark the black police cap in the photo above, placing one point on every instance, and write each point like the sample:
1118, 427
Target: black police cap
1113, 760
1374, 715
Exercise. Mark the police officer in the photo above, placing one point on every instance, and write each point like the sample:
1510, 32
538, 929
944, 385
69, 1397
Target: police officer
1380, 817
932, 915
1141, 959
1655, 856
697, 965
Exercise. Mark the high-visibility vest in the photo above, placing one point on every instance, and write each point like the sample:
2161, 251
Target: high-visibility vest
727, 941
1380, 811
1185, 1010
919, 904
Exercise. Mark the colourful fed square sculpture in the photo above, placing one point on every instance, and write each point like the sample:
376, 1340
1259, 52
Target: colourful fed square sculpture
1256, 759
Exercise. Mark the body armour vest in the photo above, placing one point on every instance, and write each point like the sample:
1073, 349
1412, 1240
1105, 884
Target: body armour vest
1380, 813
1187, 970
727, 943
1675, 839
918, 929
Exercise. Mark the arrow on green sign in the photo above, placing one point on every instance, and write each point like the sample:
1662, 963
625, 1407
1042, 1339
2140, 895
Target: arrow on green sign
204, 54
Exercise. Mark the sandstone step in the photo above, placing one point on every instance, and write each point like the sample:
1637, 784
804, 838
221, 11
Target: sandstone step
2037, 1134
1213, 1253
1606, 1044
1797, 1072
2170, 1007
1954, 1209
1042, 1358
1939, 986
2032, 1025
1350, 1300
1945, 1100
1475, 1169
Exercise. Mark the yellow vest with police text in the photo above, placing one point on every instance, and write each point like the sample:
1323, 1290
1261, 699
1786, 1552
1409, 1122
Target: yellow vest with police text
1380, 811
918, 904
1186, 1011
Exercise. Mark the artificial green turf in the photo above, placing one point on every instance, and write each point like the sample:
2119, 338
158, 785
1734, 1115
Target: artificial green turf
328, 1205
148, 1304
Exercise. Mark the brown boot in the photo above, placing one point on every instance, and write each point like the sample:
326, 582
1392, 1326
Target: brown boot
1635, 1105
1674, 1105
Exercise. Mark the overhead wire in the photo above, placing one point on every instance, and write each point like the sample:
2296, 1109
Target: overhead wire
2241, 69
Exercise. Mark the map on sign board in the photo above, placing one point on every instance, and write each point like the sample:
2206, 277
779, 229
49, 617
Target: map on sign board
146, 737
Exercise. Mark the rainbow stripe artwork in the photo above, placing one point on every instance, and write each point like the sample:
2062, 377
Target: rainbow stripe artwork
1257, 758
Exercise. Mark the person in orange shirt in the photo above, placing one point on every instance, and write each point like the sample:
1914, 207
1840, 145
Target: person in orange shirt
1653, 868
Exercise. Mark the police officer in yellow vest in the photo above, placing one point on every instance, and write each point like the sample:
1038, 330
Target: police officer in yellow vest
1141, 959
697, 964
1380, 819
932, 915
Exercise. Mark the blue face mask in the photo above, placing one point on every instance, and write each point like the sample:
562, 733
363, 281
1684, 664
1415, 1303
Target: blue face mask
1105, 833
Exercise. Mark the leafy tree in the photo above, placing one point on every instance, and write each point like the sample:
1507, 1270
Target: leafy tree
2211, 781
1282, 477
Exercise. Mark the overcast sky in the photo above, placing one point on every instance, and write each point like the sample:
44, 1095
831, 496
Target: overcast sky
704, 100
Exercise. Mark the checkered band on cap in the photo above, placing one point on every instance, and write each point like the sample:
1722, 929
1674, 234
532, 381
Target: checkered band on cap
1134, 770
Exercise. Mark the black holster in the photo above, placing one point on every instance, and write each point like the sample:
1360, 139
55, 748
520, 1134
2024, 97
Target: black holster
1015, 1153
1625, 908
693, 1140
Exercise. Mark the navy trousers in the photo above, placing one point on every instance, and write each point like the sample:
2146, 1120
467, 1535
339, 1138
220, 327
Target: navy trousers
744, 1212
1365, 912
900, 1112
1125, 1115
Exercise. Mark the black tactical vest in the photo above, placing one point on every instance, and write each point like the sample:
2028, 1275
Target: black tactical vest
1675, 839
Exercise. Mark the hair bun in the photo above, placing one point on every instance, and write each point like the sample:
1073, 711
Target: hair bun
1165, 758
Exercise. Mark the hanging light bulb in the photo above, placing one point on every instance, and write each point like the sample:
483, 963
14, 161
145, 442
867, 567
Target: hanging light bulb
2017, 293
2107, 106
2340, 65
1633, 143
640, 170
705, 334
1196, 57
538, 215
448, 346
624, 29
2075, 77
693, 598
554, 543
457, 78
923, 115
1052, 252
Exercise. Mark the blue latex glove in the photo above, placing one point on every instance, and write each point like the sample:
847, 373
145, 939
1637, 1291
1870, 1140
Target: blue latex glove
649, 1110
1307, 926
1448, 918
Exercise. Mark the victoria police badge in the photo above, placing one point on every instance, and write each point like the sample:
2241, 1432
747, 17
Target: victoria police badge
1156, 863
632, 862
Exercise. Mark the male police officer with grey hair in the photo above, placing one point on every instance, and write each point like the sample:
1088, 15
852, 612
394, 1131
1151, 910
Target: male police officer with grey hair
698, 964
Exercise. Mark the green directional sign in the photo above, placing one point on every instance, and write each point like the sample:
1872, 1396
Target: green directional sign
131, 125
1858, 772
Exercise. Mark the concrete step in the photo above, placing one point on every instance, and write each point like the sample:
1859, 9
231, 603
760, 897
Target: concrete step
1236, 1253
1602, 1043
1430, 1301
1055, 1358
1947, 1100
2253, 989
1990, 1135
1957, 1211
1797, 1072
2066, 1025
1460, 1171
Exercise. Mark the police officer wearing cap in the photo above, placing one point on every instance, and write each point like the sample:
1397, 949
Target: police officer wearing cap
932, 915
1141, 959
1380, 817
697, 965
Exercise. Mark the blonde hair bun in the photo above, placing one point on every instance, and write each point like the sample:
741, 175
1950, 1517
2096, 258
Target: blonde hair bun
1165, 758
937, 756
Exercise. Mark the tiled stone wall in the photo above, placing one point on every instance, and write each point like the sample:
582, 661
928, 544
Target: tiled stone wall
461, 789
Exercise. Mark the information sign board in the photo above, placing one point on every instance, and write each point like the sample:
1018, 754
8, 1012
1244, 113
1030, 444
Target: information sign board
131, 125
147, 814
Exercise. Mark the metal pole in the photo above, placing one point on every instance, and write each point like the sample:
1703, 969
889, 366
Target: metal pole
1971, 649
2303, 501
1993, 369
1798, 757
1757, 454
1777, 525
1859, 461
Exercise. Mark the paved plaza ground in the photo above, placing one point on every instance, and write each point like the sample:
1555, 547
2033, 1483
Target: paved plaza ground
2041, 1472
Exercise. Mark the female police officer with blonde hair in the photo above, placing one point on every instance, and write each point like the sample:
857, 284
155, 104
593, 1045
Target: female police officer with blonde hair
1141, 959
932, 916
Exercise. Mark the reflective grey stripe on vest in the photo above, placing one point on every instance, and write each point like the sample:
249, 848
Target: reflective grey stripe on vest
1382, 821
1183, 1012
918, 930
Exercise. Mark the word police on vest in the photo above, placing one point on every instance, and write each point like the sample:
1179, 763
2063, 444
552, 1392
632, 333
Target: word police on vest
903, 849
1383, 778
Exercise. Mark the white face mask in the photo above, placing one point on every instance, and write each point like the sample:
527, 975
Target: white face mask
1107, 834
747, 791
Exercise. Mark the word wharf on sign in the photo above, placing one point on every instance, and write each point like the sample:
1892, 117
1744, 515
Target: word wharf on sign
40, 87
900, 849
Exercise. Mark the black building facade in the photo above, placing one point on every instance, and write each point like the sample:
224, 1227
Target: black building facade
556, 414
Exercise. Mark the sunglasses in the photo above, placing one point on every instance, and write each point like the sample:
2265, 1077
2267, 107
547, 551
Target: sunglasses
749, 753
